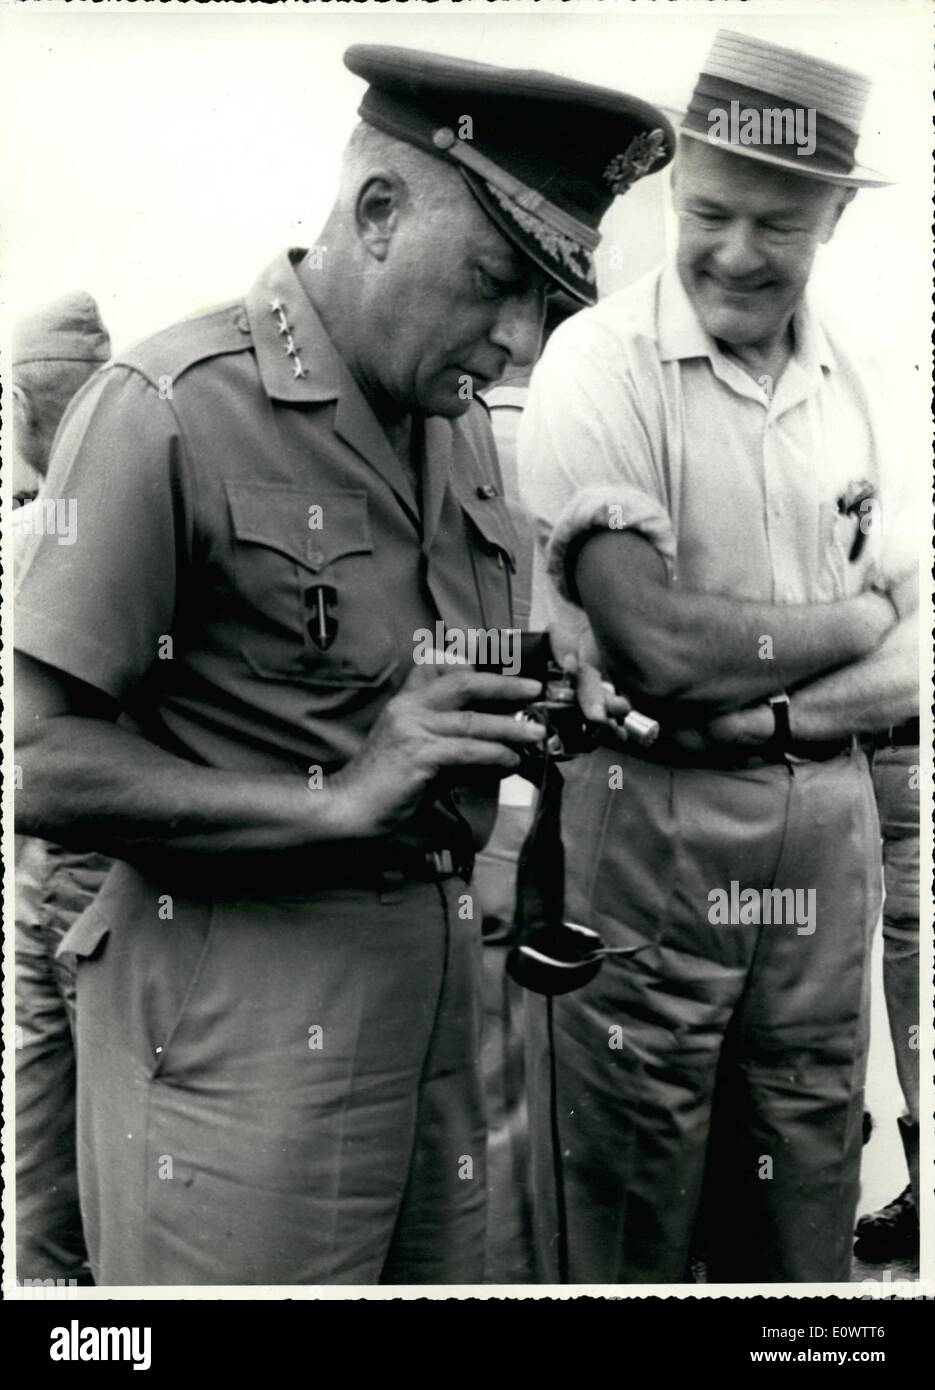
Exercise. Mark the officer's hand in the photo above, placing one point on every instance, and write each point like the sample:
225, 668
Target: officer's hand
431, 724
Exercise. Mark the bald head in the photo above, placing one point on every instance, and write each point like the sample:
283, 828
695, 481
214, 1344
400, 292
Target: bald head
431, 184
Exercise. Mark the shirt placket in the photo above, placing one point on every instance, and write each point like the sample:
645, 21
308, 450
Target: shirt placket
790, 484
777, 507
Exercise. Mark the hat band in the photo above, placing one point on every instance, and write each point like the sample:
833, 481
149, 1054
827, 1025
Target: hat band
835, 144
527, 198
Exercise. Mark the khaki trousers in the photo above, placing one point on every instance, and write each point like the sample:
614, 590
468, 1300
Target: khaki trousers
279, 1090
730, 1056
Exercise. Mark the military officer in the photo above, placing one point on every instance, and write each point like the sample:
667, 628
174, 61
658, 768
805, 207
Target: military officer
278, 982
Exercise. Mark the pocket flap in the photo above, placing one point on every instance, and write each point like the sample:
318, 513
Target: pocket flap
492, 520
311, 527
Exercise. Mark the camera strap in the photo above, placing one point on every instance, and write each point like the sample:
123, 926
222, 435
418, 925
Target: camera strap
551, 956
540, 868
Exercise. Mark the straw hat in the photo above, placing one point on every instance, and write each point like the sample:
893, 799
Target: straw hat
762, 80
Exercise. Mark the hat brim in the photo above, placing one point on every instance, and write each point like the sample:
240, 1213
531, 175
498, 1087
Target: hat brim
858, 177
534, 239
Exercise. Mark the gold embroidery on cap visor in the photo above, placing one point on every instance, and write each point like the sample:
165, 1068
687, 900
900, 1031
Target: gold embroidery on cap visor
639, 157
559, 247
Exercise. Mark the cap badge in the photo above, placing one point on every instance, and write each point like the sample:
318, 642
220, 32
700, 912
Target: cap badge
639, 157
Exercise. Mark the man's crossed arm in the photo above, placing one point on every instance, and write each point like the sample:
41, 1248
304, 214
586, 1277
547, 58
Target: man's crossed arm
874, 693
689, 657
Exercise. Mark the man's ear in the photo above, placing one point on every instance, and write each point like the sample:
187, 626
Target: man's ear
27, 451
834, 215
381, 199
23, 414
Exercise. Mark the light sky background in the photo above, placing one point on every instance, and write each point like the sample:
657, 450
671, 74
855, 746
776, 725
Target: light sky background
159, 157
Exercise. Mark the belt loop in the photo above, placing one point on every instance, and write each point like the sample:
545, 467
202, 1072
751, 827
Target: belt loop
391, 884
442, 861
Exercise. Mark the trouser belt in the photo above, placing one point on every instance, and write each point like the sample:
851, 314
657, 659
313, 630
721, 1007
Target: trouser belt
905, 735
737, 757
361, 864
376, 866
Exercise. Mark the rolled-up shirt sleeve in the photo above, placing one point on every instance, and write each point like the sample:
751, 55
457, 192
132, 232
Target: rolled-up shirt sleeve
591, 446
99, 572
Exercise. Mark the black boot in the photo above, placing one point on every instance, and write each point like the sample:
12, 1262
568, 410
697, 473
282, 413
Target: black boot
909, 1134
890, 1234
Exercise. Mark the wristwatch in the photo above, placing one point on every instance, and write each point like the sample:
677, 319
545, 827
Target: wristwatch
781, 736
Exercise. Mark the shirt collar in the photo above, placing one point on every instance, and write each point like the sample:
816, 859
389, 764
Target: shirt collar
297, 360
681, 334
299, 364
812, 347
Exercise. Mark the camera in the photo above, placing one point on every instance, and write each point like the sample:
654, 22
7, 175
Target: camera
553, 956
569, 733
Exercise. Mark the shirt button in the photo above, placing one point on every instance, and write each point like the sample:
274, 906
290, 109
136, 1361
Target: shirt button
486, 491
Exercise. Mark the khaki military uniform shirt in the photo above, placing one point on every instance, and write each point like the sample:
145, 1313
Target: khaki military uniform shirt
248, 562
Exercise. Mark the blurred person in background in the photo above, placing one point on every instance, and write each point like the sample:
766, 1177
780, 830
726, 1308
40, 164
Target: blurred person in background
55, 351
893, 1232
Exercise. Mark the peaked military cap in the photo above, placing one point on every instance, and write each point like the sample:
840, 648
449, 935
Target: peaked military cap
545, 156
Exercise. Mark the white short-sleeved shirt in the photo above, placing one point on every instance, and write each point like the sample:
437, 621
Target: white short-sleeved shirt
634, 401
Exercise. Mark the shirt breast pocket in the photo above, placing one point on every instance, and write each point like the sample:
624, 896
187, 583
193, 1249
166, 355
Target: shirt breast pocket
494, 545
839, 577
308, 586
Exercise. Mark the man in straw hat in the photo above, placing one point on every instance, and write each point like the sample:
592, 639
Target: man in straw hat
707, 457
277, 987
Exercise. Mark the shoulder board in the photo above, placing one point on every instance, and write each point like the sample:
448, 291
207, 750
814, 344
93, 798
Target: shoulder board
172, 351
